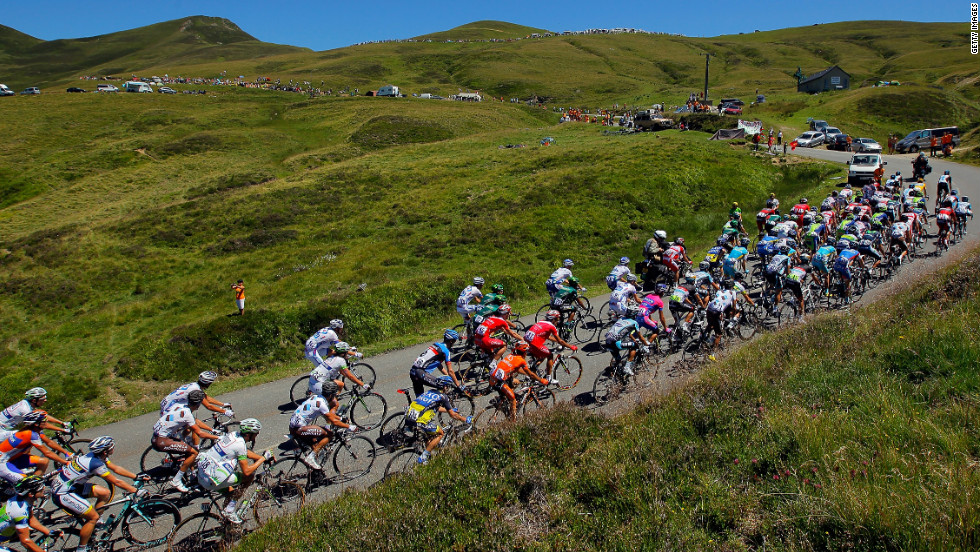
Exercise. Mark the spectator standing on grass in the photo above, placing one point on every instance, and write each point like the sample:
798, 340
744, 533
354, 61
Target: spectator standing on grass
779, 140
239, 289
933, 146
770, 141
947, 141
891, 143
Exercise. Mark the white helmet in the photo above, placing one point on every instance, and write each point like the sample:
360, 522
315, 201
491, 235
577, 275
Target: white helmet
660, 234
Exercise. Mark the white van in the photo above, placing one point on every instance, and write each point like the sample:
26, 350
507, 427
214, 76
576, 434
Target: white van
136, 86
388, 90
4, 91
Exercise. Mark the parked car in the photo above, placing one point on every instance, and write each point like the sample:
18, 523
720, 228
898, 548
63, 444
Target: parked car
810, 139
862, 167
830, 132
733, 101
106, 88
731, 109
837, 142
865, 145
32, 91
4, 91
920, 139
818, 125
75, 89
166, 90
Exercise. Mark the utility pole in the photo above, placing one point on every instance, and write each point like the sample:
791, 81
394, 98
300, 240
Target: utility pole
707, 58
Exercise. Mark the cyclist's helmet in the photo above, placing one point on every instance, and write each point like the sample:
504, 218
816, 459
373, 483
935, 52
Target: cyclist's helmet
807, 219
573, 281
831, 240
624, 261
841, 245
704, 265
784, 249
804, 200
567, 263
101, 444
660, 234
856, 210
891, 177
819, 218
451, 336
251, 425
478, 281
29, 485
631, 278
504, 310
37, 417
965, 199
946, 172
744, 242
206, 378
679, 241
497, 288
336, 324
632, 312
36, 393
882, 208
521, 348
728, 283
739, 276
340, 348
955, 192
735, 205
552, 315
805, 258
195, 398
662, 289
329, 388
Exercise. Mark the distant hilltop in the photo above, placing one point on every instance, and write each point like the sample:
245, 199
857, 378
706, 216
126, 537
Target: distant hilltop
500, 31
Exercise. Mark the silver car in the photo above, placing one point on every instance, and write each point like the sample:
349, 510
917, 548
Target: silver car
865, 145
810, 139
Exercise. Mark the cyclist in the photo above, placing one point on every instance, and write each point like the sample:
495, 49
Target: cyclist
735, 213
618, 273
735, 261
787, 229
942, 187
800, 210
490, 303
469, 299
963, 210
421, 415
900, 234
503, 376
652, 266
15, 449
681, 306
538, 335
795, 278
70, 489
829, 203
868, 245
17, 517
776, 271
822, 262
944, 221
173, 430
723, 303
734, 226
335, 366
225, 467
650, 305
716, 255
567, 296
842, 266
559, 276
12, 416
624, 296
622, 336
762, 218
816, 233
673, 257
434, 358
738, 285
846, 195
204, 380
485, 339
323, 340
303, 429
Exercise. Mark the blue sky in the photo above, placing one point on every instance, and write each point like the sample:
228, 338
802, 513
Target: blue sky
324, 25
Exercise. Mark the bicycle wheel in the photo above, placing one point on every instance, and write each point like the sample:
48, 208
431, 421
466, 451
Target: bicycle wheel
282, 498
402, 463
393, 434
789, 313
490, 416
568, 370
539, 316
605, 315
464, 405
364, 372
150, 522
299, 391
204, 532
585, 328
606, 387
586, 306
159, 465
78, 445
539, 399
369, 410
293, 469
354, 458
747, 325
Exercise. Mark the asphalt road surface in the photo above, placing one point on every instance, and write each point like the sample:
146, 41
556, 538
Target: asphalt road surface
269, 402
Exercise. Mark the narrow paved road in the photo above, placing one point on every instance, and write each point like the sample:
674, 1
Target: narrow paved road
268, 402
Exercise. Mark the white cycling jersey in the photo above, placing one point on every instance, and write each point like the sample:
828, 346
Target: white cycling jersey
319, 343
311, 409
224, 454
619, 299
12, 416
329, 369
178, 396
78, 471
175, 423
467, 296
560, 275
723, 301
14, 516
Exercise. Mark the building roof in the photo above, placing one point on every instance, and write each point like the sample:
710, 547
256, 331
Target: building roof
816, 76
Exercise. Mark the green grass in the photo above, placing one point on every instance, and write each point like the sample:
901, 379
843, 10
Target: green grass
483, 30
853, 432
118, 269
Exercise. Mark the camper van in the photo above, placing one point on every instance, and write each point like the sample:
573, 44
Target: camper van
136, 86
4, 91
388, 90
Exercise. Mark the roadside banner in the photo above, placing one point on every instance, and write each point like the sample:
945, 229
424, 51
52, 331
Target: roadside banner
751, 128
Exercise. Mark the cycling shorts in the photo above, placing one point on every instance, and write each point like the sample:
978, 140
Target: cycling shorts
466, 311
649, 323
820, 266
621, 344
74, 500
714, 321
796, 287
490, 344
670, 264
870, 252
674, 306
13, 470
774, 279
843, 269
309, 434
166, 444
215, 476
313, 356
503, 388
420, 378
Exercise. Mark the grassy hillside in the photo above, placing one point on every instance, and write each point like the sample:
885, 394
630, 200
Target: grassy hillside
483, 30
137, 216
856, 431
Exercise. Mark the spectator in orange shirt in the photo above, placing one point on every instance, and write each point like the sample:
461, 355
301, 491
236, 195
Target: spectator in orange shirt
933, 146
239, 289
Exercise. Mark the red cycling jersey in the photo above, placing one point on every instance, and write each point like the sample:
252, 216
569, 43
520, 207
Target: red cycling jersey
538, 333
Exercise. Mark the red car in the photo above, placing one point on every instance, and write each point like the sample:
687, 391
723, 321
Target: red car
731, 110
